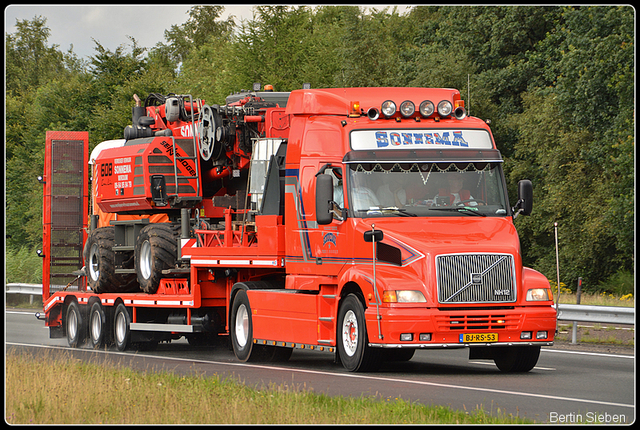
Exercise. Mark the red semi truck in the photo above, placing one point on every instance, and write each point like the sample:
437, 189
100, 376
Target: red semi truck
368, 222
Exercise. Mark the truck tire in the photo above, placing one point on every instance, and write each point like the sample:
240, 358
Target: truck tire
121, 327
75, 325
98, 326
100, 263
398, 355
241, 330
156, 250
354, 351
517, 358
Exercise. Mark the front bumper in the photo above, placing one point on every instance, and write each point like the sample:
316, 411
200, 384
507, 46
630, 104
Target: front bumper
446, 328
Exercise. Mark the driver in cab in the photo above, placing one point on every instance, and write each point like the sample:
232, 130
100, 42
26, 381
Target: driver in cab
453, 193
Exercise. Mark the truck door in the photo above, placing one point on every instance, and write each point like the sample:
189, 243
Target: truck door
316, 249
329, 242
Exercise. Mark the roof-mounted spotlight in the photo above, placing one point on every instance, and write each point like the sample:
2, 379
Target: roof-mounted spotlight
445, 108
407, 108
388, 108
427, 108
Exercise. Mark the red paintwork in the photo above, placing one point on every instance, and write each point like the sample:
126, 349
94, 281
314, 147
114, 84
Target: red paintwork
318, 126
49, 192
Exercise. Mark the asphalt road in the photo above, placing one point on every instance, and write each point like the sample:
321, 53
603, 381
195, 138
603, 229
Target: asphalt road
565, 386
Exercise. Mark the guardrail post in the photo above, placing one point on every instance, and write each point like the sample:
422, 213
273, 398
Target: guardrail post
574, 331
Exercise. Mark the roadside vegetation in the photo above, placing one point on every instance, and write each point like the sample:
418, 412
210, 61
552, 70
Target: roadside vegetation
597, 334
24, 266
101, 393
619, 291
557, 83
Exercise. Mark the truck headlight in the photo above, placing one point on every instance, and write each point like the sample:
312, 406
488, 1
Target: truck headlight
539, 295
403, 296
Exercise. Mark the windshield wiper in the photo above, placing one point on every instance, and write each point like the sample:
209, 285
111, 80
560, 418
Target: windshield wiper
399, 211
462, 209
390, 210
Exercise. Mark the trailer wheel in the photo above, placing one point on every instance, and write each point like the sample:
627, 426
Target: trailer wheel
75, 325
98, 326
156, 250
353, 349
121, 327
100, 262
517, 358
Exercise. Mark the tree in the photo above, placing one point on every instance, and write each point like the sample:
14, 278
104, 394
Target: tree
576, 139
274, 47
558, 84
29, 61
202, 27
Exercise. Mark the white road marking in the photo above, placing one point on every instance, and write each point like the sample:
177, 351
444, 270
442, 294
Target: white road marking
360, 376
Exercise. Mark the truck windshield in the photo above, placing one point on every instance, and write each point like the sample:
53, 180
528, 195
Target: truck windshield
426, 189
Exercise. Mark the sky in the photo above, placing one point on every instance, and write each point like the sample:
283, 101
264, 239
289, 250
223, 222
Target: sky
108, 24
77, 25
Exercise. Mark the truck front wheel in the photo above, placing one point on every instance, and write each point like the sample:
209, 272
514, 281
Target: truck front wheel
517, 358
353, 349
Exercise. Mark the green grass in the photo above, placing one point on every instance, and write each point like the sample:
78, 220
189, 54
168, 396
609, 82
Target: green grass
23, 266
601, 299
44, 389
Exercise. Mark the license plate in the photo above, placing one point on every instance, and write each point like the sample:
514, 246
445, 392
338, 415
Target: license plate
478, 337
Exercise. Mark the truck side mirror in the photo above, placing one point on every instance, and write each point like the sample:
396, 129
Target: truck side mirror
525, 197
324, 197
373, 236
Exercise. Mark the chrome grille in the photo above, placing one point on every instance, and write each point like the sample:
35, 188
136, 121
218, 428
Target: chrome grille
476, 278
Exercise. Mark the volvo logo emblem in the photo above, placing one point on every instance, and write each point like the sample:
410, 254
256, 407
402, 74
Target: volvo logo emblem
476, 278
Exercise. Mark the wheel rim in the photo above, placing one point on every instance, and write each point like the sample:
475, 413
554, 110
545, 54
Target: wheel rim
350, 333
121, 327
242, 326
72, 325
206, 130
145, 260
94, 266
96, 326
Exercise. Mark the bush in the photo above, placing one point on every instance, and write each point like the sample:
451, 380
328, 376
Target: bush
619, 284
23, 266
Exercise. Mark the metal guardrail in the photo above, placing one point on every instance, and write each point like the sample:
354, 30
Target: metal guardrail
29, 289
566, 312
598, 314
